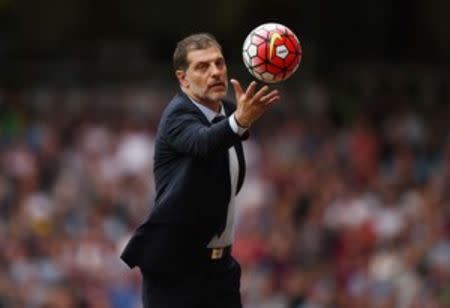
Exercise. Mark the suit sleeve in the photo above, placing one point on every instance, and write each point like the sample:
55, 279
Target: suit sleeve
189, 135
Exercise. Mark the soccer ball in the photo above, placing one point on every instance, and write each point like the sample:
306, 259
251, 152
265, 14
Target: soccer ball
272, 52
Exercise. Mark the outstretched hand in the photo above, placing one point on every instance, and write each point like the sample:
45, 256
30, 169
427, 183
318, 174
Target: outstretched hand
251, 104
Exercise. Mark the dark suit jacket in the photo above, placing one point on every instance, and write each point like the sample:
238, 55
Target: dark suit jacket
192, 179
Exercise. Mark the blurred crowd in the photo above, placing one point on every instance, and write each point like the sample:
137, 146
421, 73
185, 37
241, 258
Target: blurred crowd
337, 210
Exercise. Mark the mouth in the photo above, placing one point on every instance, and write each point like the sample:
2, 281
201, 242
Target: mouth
220, 85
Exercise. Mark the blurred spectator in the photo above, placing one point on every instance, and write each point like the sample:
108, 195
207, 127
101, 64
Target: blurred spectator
352, 213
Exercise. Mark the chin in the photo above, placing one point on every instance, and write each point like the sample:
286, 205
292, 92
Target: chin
218, 96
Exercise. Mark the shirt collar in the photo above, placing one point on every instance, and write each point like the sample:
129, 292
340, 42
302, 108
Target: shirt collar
209, 114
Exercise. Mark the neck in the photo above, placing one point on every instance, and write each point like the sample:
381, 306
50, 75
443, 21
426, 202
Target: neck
213, 105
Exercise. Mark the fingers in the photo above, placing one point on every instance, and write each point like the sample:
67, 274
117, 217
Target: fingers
237, 87
267, 98
272, 100
261, 92
251, 89
261, 95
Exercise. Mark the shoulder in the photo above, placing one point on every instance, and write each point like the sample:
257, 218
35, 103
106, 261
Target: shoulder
179, 112
180, 104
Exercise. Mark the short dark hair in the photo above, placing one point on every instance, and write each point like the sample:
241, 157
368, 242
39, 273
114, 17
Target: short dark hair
192, 42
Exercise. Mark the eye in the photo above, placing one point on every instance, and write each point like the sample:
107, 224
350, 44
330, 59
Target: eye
202, 66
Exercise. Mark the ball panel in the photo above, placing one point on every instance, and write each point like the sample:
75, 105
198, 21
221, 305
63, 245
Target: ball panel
256, 61
280, 76
289, 58
273, 69
277, 61
282, 51
267, 76
262, 51
294, 65
252, 51
260, 68
256, 75
247, 43
257, 40
261, 32
247, 59
270, 26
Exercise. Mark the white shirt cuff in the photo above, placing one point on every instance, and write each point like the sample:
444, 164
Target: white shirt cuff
235, 127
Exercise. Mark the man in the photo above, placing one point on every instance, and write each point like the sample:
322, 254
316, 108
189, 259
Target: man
183, 248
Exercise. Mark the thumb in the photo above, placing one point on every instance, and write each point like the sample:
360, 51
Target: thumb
237, 88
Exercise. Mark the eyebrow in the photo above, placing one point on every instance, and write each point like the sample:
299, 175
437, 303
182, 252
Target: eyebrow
212, 60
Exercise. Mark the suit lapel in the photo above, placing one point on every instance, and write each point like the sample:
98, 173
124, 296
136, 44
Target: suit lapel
186, 101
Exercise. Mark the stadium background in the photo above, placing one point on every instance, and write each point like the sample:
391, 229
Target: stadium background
347, 199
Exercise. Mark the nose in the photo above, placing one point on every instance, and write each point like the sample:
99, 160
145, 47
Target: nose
216, 70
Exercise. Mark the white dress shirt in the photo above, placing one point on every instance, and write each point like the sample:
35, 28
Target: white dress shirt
227, 237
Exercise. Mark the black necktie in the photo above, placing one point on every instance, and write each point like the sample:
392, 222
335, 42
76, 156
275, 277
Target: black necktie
218, 118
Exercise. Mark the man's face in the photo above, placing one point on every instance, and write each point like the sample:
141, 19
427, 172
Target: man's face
205, 79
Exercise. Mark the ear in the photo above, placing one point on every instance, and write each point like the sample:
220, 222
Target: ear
181, 76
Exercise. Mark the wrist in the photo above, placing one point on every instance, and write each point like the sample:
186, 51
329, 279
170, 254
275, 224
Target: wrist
240, 122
